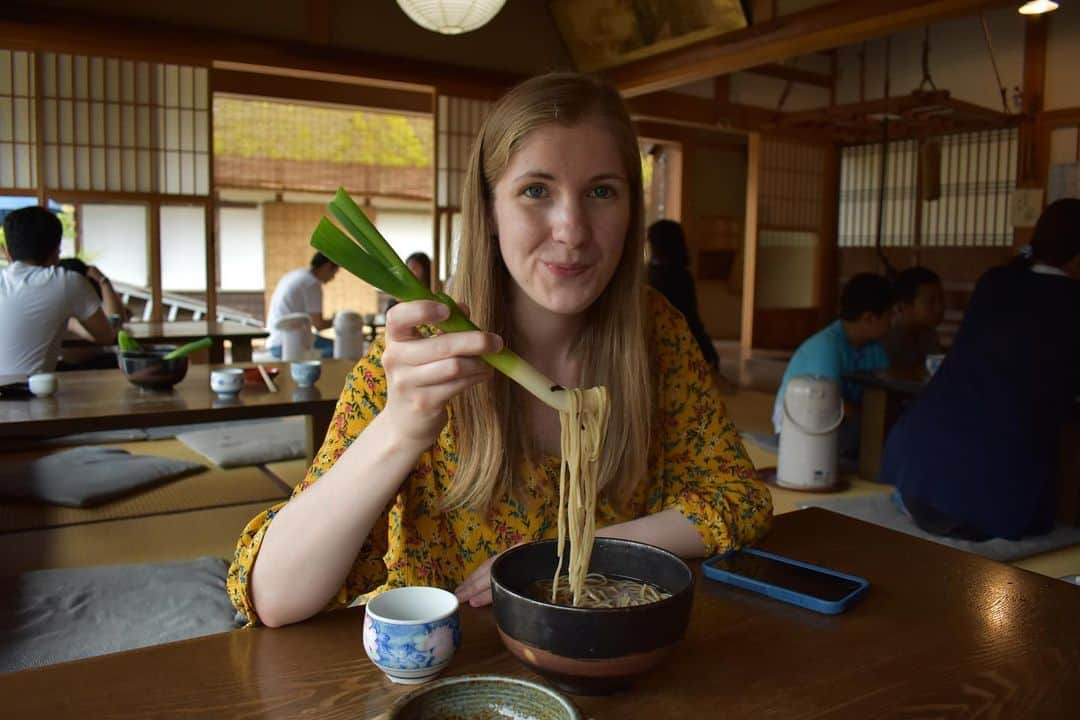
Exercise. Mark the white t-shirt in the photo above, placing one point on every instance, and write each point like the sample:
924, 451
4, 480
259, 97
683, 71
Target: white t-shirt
298, 291
35, 304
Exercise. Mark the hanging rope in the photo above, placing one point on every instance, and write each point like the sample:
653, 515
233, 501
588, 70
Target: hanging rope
993, 61
927, 80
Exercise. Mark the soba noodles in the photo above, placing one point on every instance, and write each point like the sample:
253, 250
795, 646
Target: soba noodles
601, 591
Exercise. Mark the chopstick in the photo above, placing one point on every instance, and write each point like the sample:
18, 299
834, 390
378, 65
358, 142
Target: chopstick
266, 378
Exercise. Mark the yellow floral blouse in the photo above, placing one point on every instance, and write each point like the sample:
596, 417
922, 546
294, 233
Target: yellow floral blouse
697, 464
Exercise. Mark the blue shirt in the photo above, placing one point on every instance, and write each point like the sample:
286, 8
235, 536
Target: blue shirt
830, 354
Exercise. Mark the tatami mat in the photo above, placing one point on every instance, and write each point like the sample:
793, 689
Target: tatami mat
212, 488
158, 538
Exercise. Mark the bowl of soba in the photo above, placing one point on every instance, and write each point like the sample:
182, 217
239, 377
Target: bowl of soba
633, 610
148, 368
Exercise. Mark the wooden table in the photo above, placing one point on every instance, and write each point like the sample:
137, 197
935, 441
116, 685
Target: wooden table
885, 393
89, 400
180, 332
940, 634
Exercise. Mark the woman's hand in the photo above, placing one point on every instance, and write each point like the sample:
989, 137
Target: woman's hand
424, 373
476, 590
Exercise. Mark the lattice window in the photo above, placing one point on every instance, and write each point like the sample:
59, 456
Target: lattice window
790, 196
978, 173
124, 126
458, 122
18, 135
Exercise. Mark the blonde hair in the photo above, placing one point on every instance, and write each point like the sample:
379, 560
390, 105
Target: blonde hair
492, 439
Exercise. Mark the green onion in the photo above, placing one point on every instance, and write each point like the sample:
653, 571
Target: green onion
191, 347
369, 257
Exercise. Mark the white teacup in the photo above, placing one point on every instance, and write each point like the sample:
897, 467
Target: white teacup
411, 633
227, 382
42, 384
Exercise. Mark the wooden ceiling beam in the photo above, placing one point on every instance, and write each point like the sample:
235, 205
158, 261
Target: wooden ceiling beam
793, 74
833, 25
282, 87
26, 27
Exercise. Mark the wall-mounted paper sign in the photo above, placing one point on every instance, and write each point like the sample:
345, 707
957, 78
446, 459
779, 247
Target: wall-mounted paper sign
1025, 206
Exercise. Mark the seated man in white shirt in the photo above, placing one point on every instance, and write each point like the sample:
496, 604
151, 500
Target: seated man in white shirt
37, 297
300, 291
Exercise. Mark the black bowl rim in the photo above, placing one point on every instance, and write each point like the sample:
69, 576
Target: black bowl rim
148, 351
567, 704
673, 598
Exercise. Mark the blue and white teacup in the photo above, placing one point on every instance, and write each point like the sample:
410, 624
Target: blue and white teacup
305, 373
227, 382
411, 633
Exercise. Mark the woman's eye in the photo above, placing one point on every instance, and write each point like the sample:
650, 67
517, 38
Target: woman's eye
602, 192
534, 191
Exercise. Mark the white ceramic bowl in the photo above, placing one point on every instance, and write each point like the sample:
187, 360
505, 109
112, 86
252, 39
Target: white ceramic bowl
227, 382
411, 633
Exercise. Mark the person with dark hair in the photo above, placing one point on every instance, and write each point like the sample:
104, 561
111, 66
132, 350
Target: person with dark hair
300, 291
976, 456
91, 358
37, 297
850, 343
668, 272
420, 266
920, 308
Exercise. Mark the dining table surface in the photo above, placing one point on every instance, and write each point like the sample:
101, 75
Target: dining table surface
180, 332
98, 400
940, 633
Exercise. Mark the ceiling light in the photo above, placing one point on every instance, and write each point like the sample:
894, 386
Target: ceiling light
451, 17
1035, 7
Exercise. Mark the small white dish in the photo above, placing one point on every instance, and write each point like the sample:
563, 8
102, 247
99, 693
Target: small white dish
227, 382
42, 384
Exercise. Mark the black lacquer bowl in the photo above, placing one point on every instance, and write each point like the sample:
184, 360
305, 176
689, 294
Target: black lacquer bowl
148, 368
591, 651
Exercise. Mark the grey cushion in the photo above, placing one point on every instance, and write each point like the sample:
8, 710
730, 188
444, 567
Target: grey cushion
250, 443
88, 476
882, 509
53, 616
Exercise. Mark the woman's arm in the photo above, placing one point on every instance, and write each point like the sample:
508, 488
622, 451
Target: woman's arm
313, 541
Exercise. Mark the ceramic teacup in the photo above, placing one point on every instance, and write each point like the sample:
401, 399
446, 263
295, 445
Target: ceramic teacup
42, 384
227, 382
304, 374
411, 633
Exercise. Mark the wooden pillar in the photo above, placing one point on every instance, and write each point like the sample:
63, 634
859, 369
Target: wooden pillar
210, 218
1032, 151
153, 241
826, 270
750, 242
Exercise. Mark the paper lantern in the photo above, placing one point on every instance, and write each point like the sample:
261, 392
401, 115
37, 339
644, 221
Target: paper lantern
451, 17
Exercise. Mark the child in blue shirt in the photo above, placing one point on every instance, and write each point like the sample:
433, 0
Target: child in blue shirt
848, 344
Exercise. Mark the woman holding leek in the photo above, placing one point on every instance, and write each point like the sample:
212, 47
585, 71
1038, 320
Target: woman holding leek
434, 463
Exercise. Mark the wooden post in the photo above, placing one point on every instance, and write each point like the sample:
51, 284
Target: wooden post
210, 218
826, 270
750, 242
153, 241
1032, 154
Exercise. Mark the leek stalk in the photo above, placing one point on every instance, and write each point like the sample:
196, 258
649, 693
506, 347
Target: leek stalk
368, 256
